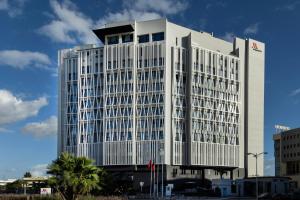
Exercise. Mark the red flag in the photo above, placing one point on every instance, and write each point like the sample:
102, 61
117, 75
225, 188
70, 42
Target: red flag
149, 164
153, 167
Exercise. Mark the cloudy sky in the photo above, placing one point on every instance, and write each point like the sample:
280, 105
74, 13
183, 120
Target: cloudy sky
32, 31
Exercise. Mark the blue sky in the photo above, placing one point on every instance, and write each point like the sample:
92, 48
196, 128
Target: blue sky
32, 31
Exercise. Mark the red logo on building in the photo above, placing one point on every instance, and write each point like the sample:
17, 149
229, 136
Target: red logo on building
254, 47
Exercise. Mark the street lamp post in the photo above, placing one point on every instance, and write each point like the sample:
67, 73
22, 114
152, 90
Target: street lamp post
255, 155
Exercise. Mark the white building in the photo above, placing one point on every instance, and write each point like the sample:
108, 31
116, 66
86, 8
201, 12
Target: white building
5, 182
159, 91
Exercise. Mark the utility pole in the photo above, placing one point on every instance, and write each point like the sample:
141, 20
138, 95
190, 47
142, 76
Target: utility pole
255, 155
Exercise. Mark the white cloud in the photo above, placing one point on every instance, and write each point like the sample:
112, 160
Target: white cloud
3, 5
41, 129
13, 7
252, 29
229, 36
215, 4
269, 167
22, 59
288, 7
72, 26
4, 130
126, 15
69, 26
39, 170
295, 92
166, 7
141, 10
13, 109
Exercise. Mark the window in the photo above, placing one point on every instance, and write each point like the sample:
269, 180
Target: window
161, 135
160, 61
127, 38
158, 36
95, 137
129, 136
143, 38
112, 40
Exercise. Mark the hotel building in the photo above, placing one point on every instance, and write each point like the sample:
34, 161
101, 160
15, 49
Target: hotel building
159, 91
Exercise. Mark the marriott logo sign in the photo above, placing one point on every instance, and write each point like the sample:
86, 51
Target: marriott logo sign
254, 47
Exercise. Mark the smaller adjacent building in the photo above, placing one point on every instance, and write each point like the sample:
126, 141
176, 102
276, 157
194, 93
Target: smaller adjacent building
287, 153
247, 187
5, 182
266, 185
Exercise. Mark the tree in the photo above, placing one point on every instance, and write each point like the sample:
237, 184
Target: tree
115, 184
27, 175
103, 182
73, 176
14, 187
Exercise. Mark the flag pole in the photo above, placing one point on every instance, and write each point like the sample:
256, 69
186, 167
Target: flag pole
154, 180
150, 178
157, 177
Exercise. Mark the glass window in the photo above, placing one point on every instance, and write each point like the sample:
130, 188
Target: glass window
112, 40
127, 38
160, 61
161, 135
143, 38
129, 136
158, 36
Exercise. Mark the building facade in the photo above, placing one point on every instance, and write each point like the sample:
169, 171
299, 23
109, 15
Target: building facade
287, 154
159, 91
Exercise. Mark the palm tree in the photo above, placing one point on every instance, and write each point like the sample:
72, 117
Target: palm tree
73, 176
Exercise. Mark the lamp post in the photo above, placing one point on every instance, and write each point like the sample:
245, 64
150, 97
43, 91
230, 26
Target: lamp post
255, 155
